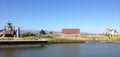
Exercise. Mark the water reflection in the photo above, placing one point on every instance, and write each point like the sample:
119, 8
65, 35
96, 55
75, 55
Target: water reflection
21, 51
10, 52
65, 50
70, 50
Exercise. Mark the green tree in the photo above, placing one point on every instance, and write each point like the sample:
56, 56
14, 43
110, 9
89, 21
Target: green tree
42, 32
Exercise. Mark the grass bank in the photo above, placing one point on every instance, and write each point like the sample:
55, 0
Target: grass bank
57, 39
50, 40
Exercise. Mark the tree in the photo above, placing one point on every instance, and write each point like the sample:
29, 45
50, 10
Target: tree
42, 32
51, 33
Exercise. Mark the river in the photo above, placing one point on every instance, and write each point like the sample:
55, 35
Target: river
65, 50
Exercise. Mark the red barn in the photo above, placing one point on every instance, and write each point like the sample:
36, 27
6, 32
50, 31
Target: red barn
71, 32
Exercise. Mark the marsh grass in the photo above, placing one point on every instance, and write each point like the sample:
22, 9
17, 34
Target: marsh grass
64, 40
59, 39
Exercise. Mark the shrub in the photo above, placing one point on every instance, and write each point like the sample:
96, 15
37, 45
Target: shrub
27, 34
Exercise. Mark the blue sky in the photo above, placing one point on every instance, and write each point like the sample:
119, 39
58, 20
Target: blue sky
89, 15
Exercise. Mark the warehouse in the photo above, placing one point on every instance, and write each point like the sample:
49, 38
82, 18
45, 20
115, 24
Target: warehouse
75, 32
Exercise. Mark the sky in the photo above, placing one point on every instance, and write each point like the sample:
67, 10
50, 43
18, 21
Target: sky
92, 16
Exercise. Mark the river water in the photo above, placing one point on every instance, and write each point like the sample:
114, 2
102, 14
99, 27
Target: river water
65, 50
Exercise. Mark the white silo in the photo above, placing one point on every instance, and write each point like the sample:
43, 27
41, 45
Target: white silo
17, 29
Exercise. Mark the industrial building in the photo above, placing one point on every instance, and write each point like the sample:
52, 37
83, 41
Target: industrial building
71, 32
10, 31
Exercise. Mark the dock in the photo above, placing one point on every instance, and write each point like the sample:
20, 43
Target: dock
22, 42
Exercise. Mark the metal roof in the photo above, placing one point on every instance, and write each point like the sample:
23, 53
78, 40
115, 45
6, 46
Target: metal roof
71, 31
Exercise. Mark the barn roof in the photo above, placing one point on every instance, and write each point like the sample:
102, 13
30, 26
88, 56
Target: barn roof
71, 31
